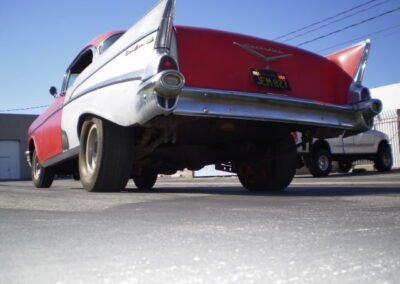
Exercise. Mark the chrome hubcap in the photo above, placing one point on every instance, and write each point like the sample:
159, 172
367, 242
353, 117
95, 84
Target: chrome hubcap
36, 167
92, 149
323, 163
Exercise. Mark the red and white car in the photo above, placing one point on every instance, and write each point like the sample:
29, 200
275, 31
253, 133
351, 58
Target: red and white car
158, 98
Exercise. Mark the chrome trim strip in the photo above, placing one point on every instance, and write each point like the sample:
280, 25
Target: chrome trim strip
262, 56
113, 81
28, 158
131, 76
166, 27
93, 72
274, 108
66, 155
363, 63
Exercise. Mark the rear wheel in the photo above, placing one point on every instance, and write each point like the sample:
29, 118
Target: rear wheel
384, 158
106, 155
319, 162
270, 172
42, 177
344, 166
145, 181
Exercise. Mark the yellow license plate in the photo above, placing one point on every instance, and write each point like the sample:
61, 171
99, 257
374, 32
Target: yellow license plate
273, 80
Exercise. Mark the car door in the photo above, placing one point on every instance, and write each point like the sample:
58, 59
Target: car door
348, 145
336, 145
48, 134
365, 142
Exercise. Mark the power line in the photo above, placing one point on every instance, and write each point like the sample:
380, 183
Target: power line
336, 21
362, 37
350, 26
327, 19
22, 109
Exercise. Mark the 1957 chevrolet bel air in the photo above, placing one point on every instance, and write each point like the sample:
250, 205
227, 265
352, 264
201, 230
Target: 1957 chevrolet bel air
158, 98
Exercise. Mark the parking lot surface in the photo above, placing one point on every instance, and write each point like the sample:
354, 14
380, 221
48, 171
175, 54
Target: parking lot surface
340, 229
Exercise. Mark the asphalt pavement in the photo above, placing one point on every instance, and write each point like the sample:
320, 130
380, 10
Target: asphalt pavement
341, 229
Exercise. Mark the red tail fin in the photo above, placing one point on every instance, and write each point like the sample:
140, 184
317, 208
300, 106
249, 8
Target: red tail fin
353, 60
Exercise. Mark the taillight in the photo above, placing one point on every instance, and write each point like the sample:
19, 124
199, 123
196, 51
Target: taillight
167, 63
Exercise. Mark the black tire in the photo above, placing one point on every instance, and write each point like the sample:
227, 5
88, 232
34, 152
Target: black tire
344, 166
319, 162
41, 177
272, 172
384, 158
106, 156
146, 181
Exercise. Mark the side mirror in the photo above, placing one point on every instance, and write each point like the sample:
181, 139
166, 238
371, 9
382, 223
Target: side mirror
53, 91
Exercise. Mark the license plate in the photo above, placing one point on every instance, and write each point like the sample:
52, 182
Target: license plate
273, 80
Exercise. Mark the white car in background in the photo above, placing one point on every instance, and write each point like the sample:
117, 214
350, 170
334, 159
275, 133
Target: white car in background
370, 145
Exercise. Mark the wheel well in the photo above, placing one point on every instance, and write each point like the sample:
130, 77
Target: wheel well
321, 144
81, 121
383, 143
31, 147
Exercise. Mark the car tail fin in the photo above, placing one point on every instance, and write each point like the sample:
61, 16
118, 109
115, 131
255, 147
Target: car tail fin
353, 60
158, 20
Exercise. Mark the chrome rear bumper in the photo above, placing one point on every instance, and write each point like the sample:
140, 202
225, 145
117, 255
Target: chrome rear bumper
276, 108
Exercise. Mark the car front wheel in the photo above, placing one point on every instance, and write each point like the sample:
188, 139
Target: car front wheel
319, 162
42, 177
106, 155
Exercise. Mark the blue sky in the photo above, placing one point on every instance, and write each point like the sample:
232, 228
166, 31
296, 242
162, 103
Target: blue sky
39, 38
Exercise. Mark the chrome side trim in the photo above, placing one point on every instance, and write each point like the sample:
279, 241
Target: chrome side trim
363, 63
166, 27
133, 76
275, 108
28, 158
66, 155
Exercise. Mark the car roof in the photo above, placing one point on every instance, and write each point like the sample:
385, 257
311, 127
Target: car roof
96, 42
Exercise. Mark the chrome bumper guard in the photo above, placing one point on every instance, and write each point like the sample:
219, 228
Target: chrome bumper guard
28, 158
276, 108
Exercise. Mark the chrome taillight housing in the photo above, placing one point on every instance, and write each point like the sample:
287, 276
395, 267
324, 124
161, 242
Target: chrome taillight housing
167, 63
358, 93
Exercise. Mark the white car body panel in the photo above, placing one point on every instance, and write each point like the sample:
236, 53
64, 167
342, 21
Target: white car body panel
128, 62
363, 143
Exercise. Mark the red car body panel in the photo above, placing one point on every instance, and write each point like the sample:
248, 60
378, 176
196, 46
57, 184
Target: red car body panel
211, 59
349, 59
46, 131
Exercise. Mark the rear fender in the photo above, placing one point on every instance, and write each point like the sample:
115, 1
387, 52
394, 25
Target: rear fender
353, 61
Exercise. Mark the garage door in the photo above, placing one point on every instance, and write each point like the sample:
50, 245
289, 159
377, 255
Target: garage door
10, 167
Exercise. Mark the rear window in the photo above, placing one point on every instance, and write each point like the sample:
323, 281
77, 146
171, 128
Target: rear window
108, 42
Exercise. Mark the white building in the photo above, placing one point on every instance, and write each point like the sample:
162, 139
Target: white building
389, 95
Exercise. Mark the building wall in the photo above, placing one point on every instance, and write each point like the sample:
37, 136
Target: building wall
14, 127
389, 95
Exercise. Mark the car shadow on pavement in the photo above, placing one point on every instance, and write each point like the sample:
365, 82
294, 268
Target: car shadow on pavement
289, 192
354, 173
